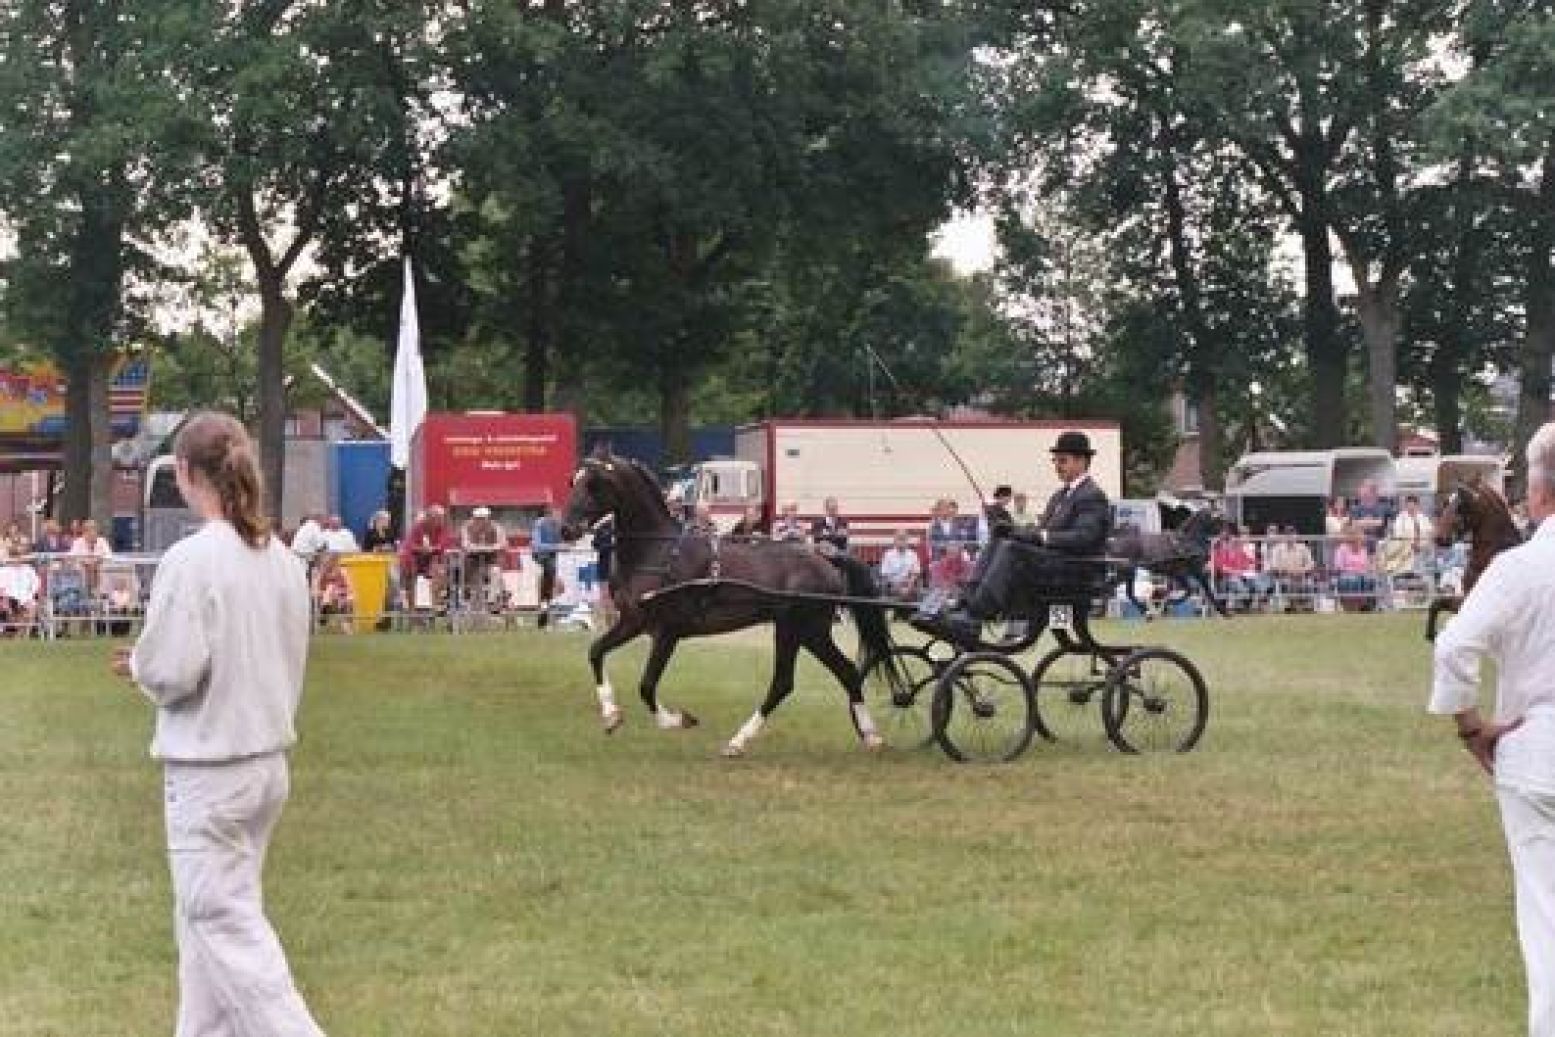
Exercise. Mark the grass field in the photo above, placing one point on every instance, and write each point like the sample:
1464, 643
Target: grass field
465, 854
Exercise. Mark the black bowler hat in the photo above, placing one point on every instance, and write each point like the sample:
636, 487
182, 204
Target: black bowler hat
1072, 442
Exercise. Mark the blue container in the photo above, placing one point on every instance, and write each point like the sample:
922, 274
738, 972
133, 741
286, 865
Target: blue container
358, 482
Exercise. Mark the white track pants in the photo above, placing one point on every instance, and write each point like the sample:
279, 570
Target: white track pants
232, 974
1529, 820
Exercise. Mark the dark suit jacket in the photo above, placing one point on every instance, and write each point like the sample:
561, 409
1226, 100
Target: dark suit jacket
1078, 522
830, 531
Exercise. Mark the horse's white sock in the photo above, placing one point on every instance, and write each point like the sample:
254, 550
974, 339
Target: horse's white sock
607, 698
667, 718
865, 722
749, 730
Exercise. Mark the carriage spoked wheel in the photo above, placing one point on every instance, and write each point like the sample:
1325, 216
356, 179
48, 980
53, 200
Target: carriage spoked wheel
1068, 686
983, 708
1155, 701
902, 713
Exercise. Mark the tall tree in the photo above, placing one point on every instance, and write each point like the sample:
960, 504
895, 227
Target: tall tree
96, 159
1507, 103
306, 129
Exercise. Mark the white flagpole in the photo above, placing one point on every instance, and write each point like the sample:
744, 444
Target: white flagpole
408, 400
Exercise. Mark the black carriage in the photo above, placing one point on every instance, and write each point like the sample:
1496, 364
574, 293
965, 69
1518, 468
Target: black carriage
980, 703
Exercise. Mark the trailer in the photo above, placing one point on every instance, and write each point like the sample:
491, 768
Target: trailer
1428, 477
886, 475
518, 465
1293, 487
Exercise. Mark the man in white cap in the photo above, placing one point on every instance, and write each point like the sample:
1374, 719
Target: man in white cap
482, 541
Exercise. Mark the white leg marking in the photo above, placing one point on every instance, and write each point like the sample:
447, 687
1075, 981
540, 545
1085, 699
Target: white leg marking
749, 730
866, 726
668, 719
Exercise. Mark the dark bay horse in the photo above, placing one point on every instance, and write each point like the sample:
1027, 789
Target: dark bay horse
1477, 512
1179, 555
653, 554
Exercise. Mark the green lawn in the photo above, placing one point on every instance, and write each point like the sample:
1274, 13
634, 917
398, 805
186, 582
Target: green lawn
465, 854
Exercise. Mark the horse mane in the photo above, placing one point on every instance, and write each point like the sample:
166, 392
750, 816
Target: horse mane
650, 484
1495, 508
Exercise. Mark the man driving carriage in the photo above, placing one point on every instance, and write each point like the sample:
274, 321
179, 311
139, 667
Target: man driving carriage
1075, 524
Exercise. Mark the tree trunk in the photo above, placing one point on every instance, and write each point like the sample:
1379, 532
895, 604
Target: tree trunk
1446, 402
76, 497
675, 419
1377, 307
1533, 398
101, 493
275, 320
537, 332
1212, 465
1326, 361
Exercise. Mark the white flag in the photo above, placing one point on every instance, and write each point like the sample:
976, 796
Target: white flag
408, 398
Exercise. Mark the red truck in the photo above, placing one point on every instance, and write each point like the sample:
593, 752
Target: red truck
518, 465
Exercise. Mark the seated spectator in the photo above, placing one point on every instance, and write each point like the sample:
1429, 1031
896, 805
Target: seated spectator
1353, 577
901, 573
997, 520
51, 540
426, 543
14, 543
830, 531
308, 540
945, 530
337, 538
1291, 566
702, 523
379, 536
90, 549
332, 598
20, 589
753, 524
483, 541
949, 572
1235, 566
788, 526
1370, 513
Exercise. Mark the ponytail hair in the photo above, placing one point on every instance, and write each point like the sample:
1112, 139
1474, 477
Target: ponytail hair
218, 449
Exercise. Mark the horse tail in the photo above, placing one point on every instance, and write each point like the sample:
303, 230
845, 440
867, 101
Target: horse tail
871, 619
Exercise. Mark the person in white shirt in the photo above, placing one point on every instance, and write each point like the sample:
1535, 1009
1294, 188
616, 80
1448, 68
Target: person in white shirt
309, 538
337, 538
1509, 617
900, 569
222, 656
1413, 530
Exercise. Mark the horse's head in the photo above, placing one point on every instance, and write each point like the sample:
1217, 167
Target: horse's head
610, 485
596, 492
1455, 517
1203, 525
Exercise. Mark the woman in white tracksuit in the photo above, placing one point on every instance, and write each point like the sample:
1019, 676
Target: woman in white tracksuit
222, 656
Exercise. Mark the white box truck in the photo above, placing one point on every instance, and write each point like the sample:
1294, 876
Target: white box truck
886, 475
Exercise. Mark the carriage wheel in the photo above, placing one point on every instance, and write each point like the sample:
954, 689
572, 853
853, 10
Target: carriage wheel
903, 713
983, 708
1155, 701
1069, 685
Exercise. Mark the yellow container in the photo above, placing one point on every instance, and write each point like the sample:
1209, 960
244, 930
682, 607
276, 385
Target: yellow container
368, 575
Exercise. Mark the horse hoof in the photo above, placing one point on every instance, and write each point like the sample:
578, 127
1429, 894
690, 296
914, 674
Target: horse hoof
688, 720
874, 743
612, 720
731, 751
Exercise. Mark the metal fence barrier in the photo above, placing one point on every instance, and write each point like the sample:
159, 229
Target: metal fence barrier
52, 596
